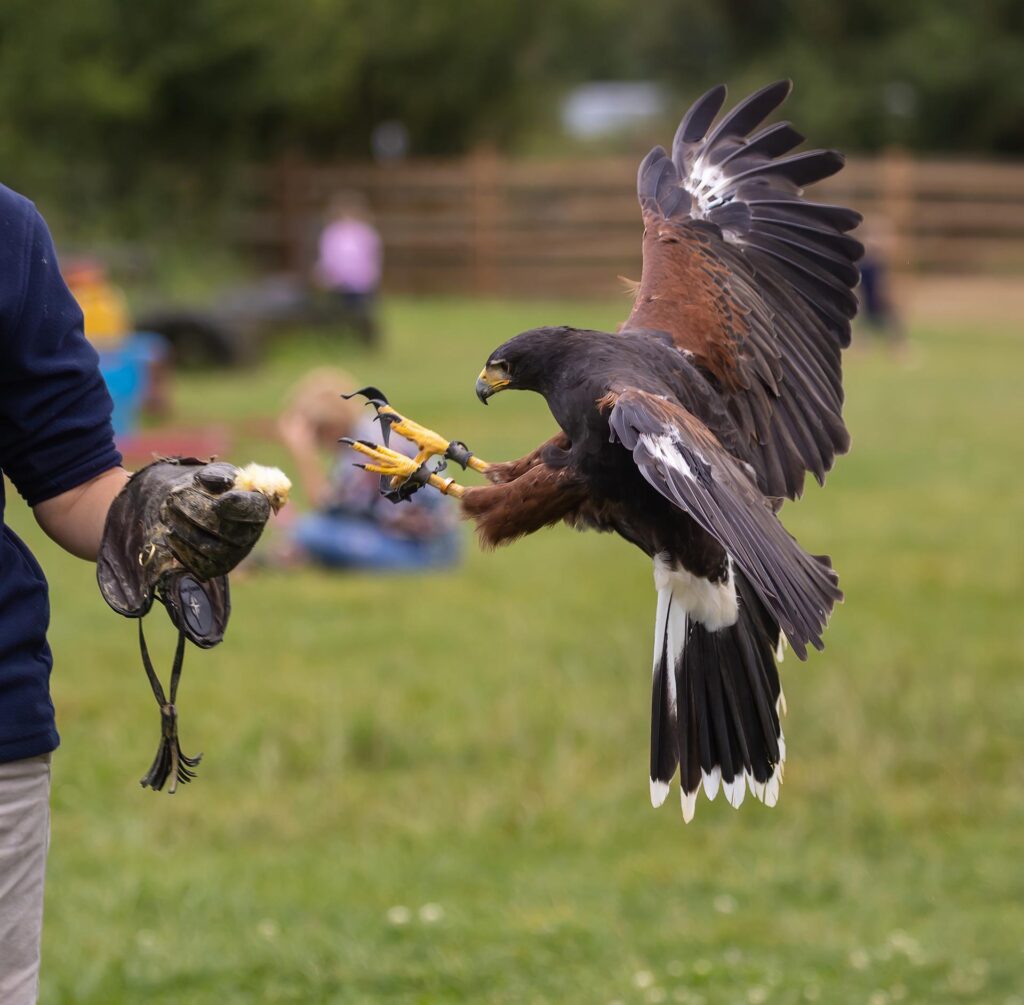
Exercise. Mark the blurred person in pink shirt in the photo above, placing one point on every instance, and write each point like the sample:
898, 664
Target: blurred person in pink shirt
349, 263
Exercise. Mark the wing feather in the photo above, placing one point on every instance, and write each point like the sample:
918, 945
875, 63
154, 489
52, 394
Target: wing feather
695, 123
752, 280
774, 141
682, 459
749, 113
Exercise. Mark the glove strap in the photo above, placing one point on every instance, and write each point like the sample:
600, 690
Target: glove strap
169, 762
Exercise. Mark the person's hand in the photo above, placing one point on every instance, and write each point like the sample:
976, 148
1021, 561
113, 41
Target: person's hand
296, 432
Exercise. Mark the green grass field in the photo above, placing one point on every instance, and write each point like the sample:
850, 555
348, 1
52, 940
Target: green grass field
434, 789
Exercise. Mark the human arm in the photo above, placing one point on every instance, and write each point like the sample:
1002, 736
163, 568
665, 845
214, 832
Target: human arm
56, 440
74, 519
299, 436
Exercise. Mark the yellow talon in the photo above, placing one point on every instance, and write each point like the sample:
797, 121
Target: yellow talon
386, 461
391, 469
400, 468
431, 444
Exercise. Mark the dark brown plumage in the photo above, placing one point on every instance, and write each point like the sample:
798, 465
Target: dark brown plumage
537, 496
684, 431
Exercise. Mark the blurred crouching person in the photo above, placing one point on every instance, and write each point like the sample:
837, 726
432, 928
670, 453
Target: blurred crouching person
351, 526
349, 264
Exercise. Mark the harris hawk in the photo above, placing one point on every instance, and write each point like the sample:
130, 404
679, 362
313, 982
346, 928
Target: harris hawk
685, 431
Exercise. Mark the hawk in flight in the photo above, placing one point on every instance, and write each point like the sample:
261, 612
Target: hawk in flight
686, 430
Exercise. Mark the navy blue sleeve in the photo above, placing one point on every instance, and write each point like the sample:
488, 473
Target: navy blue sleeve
55, 430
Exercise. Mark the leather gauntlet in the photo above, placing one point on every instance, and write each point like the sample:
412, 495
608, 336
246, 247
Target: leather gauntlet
173, 534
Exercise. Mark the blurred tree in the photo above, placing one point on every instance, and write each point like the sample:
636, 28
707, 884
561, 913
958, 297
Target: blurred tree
111, 98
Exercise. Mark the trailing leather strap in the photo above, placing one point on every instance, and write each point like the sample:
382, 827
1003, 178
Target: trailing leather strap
170, 761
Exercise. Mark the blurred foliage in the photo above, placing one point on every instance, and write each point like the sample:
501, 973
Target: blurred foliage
110, 99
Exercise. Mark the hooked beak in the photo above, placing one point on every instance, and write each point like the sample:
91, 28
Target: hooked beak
490, 381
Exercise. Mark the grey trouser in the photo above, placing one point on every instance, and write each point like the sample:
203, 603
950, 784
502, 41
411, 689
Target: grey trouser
24, 839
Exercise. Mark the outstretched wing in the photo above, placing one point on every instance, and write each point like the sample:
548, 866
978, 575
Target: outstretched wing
684, 461
752, 280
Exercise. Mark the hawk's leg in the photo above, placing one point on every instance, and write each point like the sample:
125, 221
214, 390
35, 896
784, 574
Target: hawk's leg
403, 471
430, 444
553, 453
539, 497
528, 495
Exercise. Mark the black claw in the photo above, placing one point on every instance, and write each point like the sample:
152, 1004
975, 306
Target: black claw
404, 492
374, 396
349, 442
409, 487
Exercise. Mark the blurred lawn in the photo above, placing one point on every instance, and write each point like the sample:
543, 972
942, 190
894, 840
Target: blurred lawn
478, 740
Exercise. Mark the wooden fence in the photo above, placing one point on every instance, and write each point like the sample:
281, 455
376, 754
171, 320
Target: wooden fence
487, 225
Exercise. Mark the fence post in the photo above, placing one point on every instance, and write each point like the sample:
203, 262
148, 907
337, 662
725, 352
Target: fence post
485, 179
290, 184
898, 206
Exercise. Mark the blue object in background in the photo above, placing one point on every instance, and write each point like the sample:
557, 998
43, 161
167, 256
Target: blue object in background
126, 372
348, 542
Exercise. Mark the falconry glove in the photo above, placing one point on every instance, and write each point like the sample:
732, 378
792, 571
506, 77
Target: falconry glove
173, 534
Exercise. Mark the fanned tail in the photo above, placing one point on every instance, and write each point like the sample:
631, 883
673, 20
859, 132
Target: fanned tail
716, 702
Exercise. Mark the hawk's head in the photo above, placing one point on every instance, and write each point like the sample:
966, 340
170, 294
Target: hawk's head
527, 362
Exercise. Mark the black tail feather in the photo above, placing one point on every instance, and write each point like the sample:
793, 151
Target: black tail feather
722, 712
664, 753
